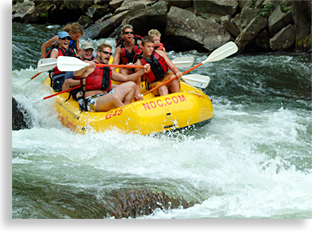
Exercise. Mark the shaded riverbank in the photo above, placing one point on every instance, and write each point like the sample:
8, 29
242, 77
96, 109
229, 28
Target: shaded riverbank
185, 25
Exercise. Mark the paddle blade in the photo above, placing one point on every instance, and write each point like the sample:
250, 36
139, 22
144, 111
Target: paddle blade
65, 63
183, 62
222, 52
46, 64
196, 80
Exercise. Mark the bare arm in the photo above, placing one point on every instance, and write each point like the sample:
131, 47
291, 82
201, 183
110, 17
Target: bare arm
46, 45
171, 66
116, 57
84, 72
78, 49
54, 53
132, 77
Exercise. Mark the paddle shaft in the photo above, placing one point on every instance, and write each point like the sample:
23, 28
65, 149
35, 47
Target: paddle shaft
35, 75
175, 77
61, 92
220, 53
117, 65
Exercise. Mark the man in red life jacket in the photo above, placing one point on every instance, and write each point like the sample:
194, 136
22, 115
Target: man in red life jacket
126, 48
72, 81
160, 63
98, 93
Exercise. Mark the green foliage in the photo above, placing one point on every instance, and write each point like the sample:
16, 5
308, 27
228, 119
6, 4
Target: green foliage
267, 9
304, 42
285, 8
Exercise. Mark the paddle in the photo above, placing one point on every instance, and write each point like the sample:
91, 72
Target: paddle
49, 63
218, 54
183, 62
61, 92
197, 80
65, 63
42, 66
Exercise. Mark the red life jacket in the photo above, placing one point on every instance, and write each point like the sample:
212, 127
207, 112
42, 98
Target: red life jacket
79, 57
158, 64
159, 47
99, 79
62, 52
126, 56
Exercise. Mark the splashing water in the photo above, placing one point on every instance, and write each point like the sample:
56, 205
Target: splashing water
252, 161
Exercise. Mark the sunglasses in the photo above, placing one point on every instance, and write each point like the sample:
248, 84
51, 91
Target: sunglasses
108, 53
68, 38
89, 49
129, 32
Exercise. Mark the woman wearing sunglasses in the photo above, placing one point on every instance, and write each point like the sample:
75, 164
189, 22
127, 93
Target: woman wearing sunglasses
74, 30
63, 49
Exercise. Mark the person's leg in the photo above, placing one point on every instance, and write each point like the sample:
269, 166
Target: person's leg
108, 102
174, 86
125, 91
163, 90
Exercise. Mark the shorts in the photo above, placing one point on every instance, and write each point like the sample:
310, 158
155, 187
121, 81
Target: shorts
157, 83
91, 101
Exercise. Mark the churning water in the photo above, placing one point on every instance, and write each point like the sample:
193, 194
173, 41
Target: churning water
252, 161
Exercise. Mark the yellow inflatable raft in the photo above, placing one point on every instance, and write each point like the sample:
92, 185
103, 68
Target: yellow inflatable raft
152, 115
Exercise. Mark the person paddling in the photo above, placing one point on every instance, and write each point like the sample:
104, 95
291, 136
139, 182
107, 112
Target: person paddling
98, 93
160, 64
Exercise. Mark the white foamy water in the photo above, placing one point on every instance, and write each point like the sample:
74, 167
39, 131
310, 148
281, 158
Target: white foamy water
252, 161
247, 163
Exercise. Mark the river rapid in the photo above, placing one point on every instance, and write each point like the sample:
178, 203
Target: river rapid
252, 161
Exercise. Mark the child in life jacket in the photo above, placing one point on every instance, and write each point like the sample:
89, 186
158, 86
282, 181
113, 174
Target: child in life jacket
74, 30
160, 63
155, 34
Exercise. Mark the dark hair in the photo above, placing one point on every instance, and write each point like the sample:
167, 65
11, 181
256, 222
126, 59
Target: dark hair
147, 39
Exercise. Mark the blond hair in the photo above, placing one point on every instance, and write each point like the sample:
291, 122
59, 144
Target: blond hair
74, 27
154, 32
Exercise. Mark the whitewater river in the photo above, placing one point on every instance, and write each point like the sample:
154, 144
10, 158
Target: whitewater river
252, 161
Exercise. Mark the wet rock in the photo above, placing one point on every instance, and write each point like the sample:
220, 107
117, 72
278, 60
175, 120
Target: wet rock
193, 31
115, 3
220, 7
126, 203
181, 4
152, 17
229, 26
20, 9
249, 34
279, 20
133, 4
103, 29
96, 11
17, 116
284, 39
302, 17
